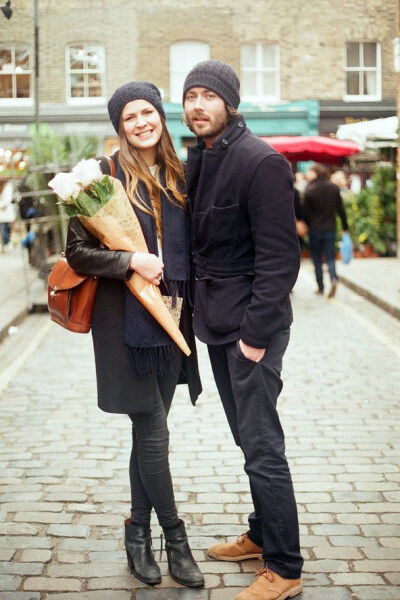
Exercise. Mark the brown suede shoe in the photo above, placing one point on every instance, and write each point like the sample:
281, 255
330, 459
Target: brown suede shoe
270, 586
242, 549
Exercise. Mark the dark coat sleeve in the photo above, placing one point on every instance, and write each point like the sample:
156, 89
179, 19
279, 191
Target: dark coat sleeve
85, 255
306, 208
298, 209
277, 251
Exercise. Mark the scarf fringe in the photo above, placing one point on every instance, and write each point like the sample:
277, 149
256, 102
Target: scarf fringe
176, 289
144, 362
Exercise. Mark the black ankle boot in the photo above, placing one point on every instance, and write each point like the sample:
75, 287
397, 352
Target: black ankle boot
140, 554
181, 563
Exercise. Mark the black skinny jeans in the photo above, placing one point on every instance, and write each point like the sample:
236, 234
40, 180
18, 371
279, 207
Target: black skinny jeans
150, 477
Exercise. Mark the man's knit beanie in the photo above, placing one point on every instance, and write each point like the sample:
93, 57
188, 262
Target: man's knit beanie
135, 90
216, 76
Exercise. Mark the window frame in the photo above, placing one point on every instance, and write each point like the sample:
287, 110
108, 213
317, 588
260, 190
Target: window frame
13, 72
259, 70
361, 70
174, 87
85, 71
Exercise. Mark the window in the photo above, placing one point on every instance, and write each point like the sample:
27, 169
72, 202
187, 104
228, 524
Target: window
85, 72
260, 72
182, 57
15, 73
363, 71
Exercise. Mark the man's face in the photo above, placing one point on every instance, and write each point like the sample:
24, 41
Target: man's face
205, 113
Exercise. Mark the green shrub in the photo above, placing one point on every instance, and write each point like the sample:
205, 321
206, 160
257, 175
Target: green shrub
53, 152
371, 213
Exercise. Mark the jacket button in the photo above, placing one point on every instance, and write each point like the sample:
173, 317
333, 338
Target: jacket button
240, 124
225, 142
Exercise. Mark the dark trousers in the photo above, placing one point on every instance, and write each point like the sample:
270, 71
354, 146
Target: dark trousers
249, 393
150, 476
323, 243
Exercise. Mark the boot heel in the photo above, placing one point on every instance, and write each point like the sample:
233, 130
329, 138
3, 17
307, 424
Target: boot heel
139, 553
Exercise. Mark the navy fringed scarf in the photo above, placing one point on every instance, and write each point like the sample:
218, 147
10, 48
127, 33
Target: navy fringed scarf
150, 348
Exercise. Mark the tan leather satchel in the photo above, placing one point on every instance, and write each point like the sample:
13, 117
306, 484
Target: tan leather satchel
70, 297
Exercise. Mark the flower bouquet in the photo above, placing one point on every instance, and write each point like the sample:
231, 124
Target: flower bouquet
101, 204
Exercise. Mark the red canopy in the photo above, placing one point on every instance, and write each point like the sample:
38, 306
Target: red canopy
312, 147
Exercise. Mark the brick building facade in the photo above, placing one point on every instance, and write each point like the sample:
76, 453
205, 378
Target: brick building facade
326, 62
311, 36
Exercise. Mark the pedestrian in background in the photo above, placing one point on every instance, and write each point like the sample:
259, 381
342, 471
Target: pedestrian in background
340, 179
246, 261
7, 214
322, 202
137, 364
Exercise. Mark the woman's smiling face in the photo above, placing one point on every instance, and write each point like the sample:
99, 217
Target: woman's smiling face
142, 125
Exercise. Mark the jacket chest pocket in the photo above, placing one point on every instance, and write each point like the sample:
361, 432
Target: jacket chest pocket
223, 224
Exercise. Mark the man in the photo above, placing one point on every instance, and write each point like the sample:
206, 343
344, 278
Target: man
246, 259
322, 201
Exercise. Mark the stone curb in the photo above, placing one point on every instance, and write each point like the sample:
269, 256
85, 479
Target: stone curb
364, 291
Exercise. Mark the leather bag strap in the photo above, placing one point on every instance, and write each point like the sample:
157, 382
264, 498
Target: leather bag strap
107, 164
111, 165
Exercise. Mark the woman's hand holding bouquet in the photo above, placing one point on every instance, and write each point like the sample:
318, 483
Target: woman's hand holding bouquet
149, 266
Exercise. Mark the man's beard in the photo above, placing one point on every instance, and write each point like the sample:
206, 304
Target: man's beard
217, 128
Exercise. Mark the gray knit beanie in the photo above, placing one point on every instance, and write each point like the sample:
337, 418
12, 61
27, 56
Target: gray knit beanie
216, 76
135, 90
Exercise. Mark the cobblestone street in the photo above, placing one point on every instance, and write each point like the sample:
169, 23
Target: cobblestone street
64, 464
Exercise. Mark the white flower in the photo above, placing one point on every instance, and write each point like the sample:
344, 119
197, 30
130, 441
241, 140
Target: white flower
87, 171
65, 186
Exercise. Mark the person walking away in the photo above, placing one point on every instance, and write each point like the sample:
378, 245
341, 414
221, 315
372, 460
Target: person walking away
137, 364
246, 260
322, 202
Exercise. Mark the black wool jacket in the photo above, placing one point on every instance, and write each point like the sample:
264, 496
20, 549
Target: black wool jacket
322, 202
245, 248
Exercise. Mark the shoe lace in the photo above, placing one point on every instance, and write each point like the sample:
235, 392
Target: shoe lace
266, 573
241, 539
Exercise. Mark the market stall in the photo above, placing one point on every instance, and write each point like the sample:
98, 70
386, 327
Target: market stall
316, 148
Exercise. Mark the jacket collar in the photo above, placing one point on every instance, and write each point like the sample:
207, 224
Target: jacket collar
231, 134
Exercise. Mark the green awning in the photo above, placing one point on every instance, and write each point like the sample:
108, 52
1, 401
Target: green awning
291, 118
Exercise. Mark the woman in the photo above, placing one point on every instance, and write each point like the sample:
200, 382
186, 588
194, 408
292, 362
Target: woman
137, 364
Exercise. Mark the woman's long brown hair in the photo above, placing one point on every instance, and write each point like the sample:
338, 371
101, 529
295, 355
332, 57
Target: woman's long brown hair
135, 170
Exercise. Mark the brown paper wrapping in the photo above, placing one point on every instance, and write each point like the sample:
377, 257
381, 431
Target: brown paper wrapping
118, 228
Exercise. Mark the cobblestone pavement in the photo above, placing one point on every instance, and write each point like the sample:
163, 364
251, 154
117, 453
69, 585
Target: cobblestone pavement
64, 485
